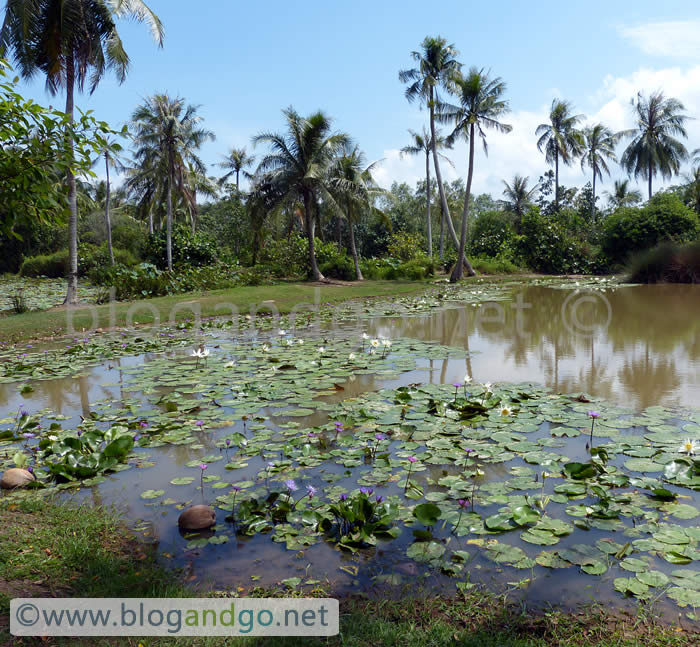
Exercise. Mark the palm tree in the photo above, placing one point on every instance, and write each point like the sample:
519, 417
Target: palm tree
622, 196
298, 166
235, 162
112, 156
422, 144
167, 135
654, 147
66, 40
692, 190
559, 139
437, 67
196, 182
518, 196
354, 191
480, 107
600, 144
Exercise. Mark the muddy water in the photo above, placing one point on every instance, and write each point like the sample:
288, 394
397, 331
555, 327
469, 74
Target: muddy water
637, 346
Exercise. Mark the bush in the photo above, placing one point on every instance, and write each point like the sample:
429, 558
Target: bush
287, 257
667, 263
498, 265
187, 248
52, 265
406, 246
94, 261
378, 269
492, 235
341, 268
663, 218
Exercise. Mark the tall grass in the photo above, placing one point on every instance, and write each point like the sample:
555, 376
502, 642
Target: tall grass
667, 263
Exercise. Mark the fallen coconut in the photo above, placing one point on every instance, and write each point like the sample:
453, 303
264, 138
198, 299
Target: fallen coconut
15, 477
197, 517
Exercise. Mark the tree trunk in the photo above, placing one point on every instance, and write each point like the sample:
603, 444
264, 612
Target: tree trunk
427, 205
150, 222
442, 234
556, 179
72, 291
438, 176
353, 250
108, 222
237, 186
593, 199
339, 231
457, 271
649, 182
169, 216
310, 226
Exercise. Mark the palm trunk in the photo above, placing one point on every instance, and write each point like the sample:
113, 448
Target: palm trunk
650, 183
339, 231
427, 205
108, 222
310, 226
150, 222
457, 271
556, 179
353, 250
237, 186
593, 199
438, 176
442, 235
169, 217
72, 291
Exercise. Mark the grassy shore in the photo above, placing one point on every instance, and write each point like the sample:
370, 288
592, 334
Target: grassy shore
63, 549
281, 298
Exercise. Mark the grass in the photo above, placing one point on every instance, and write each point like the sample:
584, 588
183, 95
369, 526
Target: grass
65, 549
284, 297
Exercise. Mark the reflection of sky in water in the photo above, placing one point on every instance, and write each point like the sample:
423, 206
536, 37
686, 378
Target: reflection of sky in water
649, 354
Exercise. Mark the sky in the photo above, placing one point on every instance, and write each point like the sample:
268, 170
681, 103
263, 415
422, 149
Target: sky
242, 63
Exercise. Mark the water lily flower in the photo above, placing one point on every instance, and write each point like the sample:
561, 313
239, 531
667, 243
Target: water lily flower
228, 442
143, 423
310, 491
365, 336
343, 497
467, 379
289, 342
137, 437
199, 423
265, 348
463, 503
487, 387
321, 349
380, 436
291, 485
203, 466
230, 364
386, 343
690, 447
594, 414
412, 459
351, 356
380, 498
300, 341
30, 469
505, 411
236, 488
281, 332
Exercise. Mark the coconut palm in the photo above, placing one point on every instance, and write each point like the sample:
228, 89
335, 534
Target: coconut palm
599, 149
654, 147
422, 144
298, 166
235, 162
480, 107
437, 67
354, 190
112, 154
167, 135
197, 183
692, 189
518, 196
622, 196
560, 139
71, 42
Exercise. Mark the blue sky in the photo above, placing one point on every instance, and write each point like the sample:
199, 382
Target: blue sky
244, 62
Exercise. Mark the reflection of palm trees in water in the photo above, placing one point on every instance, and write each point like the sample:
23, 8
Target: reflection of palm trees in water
651, 381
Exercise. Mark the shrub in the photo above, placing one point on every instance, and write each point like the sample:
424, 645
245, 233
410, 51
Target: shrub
667, 263
498, 265
187, 248
341, 268
492, 235
52, 265
378, 269
663, 218
287, 257
406, 246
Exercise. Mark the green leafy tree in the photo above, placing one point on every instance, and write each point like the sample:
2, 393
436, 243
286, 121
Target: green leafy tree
235, 162
71, 42
167, 135
599, 149
298, 165
518, 197
422, 144
480, 107
437, 68
654, 148
622, 195
560, 139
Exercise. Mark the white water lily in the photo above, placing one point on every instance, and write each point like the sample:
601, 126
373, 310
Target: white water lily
690, 447
351, 356
372, 351
374, 343
289, 342
487, 386
230, 364
505, 411
281, 333
365, 336
321, 349
467, 379
386, 343
265, 348
300, 341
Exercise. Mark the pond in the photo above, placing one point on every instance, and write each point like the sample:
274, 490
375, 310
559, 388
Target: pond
557, 471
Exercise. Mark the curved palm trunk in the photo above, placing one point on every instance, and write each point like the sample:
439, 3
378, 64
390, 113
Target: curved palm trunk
556, 179
649, 182
238, 190
310, 222
72, 291
593, 199
353, 250
427, 205
457, 271
108, 222
169, 218
442, 235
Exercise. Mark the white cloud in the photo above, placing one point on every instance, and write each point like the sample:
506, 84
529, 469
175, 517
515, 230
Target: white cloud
516, 152
676, 38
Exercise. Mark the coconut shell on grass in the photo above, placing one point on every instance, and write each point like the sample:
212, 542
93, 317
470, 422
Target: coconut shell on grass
15, 478
197, 517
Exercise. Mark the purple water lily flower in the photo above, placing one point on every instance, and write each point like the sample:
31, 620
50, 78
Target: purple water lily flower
199, 423
380, 498
291, 485
311, 491
137, 437
236, 488
203, 466
463, 503
594, 414
143, 423
343, 497
380, 436
412, 459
